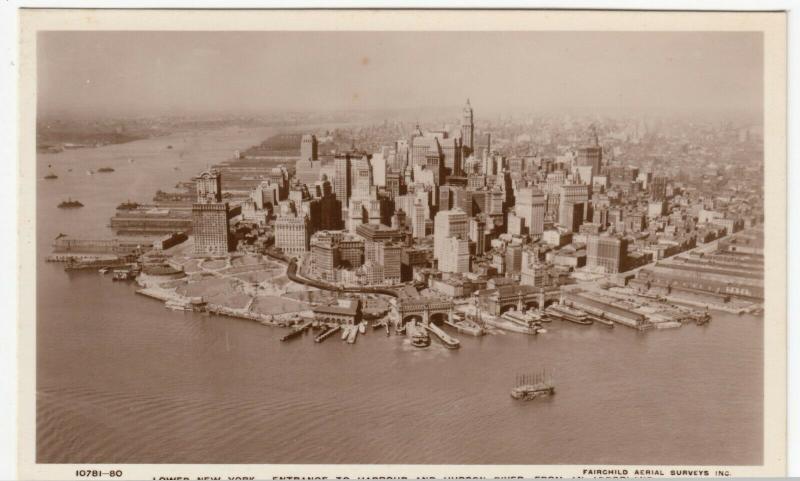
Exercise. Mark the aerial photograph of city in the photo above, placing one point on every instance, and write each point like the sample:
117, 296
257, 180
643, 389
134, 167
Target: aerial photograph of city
378, 247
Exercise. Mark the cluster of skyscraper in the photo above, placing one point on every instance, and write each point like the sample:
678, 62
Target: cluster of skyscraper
444, 202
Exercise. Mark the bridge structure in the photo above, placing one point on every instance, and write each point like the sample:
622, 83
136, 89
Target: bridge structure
425, 309
504, 298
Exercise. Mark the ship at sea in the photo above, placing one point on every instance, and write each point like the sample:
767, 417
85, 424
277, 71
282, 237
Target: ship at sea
128, 205
50, 174
533, 385
70, 204
105, 169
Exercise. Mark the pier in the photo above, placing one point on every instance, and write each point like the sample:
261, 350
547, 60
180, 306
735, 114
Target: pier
326, 334
296, 331
448, 341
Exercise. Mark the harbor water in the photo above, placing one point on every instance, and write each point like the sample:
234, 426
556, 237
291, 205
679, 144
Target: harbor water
121, 379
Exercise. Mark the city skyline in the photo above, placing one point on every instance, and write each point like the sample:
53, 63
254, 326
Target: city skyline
251, 73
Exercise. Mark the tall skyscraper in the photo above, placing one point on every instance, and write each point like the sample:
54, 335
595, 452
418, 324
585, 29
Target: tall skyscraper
308, 147
658, 188
607, 253
448, 223
531, 206
292, 230
209, 187
210, 228
468, 128
341, 180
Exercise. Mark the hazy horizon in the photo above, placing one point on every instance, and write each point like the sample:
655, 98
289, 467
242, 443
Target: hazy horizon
252, 73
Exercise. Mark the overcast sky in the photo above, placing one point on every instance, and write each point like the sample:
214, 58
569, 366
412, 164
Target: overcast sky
121, 73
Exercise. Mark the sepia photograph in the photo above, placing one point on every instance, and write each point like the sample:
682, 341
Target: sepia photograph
398, 238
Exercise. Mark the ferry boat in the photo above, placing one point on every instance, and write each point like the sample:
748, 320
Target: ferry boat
531, 386
420, 338
128, 205
105, 169
70, 204
568, 313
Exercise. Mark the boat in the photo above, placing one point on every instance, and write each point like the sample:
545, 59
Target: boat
103, 270
90, 172
105, 169
569, 313
128, 205
50, 174
70, 204
169, 147
531, 386
123, 274
420, 337
352, 335
362, 328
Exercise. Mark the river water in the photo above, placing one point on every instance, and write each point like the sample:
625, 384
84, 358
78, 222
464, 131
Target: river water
121, 379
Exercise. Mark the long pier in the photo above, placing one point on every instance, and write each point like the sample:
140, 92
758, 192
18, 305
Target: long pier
296, 332
328, 333
448, 341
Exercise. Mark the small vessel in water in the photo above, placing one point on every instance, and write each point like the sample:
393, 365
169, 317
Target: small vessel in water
70, 204
105, 169
103, 270
531, 386
123, 274
130, 160
90, 172
50, 174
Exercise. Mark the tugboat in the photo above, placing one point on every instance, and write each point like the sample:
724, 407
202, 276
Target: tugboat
105, 169
70, 204
128, 205
531, 386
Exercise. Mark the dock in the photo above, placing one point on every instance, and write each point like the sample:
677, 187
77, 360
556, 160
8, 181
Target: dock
326, 334
448, 341
296, 332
